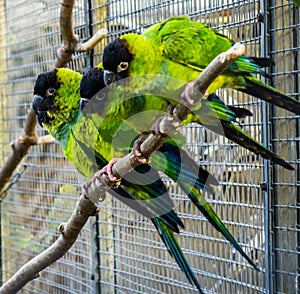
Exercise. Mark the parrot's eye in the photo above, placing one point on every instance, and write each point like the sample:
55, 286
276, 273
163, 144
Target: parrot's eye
100, 96
50, 92
122, 66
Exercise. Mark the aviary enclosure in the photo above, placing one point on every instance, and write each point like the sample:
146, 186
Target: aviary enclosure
118, 250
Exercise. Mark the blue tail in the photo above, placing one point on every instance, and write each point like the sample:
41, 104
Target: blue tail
175, 251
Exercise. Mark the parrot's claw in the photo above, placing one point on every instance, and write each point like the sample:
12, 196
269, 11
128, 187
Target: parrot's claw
156, 128
108, 170
95, 180
136, 149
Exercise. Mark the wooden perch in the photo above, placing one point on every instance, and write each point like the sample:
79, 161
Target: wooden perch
86, 207
19, 149
70, 45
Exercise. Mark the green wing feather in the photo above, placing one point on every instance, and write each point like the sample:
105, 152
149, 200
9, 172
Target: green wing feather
183, 48
83, 144
172, 160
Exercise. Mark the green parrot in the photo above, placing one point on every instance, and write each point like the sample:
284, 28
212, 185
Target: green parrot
213, 113
112, 106
180, 48
56, 103
89, 147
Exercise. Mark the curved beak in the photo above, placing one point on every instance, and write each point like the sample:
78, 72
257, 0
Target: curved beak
41, 116
37, 102
108, 77
83, 103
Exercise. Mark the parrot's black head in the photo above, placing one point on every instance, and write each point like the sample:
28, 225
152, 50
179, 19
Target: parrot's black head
45, 89
116, 59
92, 91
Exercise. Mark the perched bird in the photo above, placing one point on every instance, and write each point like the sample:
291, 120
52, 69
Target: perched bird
213, 113
56, 103
180, 48
113, 106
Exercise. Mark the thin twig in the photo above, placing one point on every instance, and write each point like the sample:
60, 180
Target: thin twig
70, 43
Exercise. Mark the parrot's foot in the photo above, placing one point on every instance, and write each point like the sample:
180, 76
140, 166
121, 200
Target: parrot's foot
190, 94
156, 128
95, 180
136, 149
108, 170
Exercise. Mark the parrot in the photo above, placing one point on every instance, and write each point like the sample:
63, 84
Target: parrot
179, 165
56, 102
181, 48
213, 113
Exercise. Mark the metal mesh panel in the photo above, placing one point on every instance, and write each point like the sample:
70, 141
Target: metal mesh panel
258, 202
284, 33
47, 191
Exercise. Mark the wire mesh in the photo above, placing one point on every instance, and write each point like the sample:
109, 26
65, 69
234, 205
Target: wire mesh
47, 192
121, 252
284, 33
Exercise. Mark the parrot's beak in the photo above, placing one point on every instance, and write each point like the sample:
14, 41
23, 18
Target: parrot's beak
41, 116
37, 102
108, 77
83, 103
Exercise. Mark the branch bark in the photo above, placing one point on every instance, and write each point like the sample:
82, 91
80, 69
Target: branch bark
20, 148
86, 207
70, 43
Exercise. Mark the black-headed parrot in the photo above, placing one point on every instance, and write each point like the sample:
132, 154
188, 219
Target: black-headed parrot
181, 48
89, 147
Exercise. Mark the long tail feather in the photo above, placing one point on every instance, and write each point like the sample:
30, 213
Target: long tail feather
223, 125
175, 251
262, 61
262, 91
185, 171
240, 112
171, 219
237, 135
196, 197
176, 163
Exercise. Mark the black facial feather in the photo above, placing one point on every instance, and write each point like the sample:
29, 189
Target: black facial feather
115, 53
92, 88
91, 83
44, 82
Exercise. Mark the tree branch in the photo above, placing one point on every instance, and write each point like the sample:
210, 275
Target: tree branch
20, 148
85, 207
70, 43
69, 232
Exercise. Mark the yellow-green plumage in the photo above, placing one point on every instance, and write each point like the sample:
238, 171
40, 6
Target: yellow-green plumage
180, 48
170, 158
84, 146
